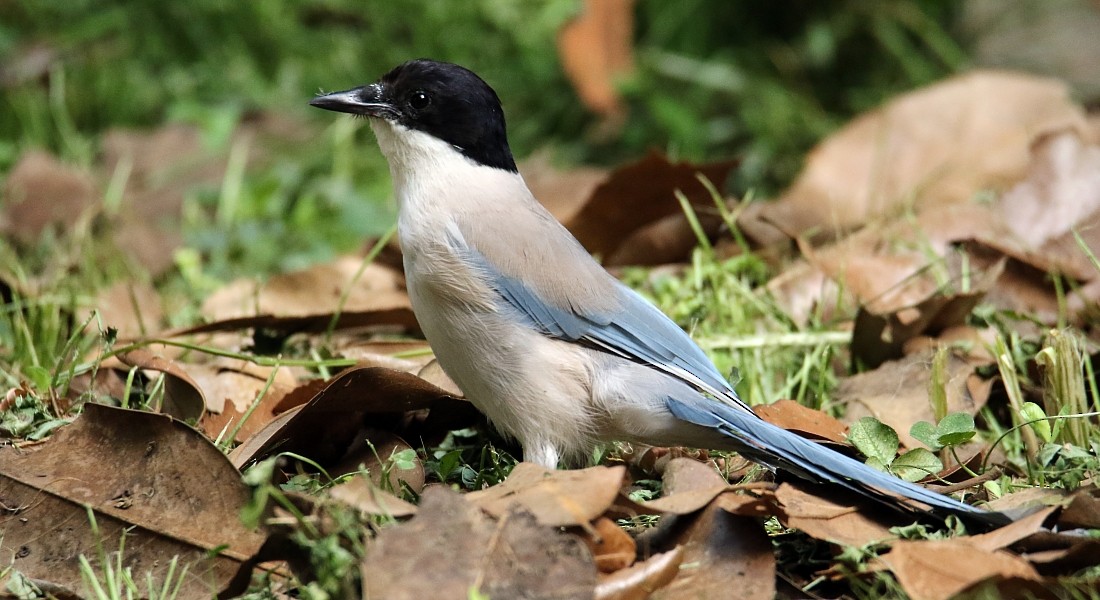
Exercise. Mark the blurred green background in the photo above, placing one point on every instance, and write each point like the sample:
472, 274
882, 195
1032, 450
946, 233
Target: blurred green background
762, 81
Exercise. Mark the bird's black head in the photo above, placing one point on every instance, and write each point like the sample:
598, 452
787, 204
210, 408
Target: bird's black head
444, 100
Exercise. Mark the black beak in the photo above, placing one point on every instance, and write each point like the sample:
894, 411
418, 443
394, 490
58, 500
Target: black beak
366, 101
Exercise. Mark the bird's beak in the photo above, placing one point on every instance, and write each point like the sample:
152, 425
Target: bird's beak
367, 101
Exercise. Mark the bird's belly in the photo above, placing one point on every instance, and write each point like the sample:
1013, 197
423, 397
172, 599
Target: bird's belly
531, 387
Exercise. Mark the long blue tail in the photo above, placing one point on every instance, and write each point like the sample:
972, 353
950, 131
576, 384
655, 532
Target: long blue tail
781, 449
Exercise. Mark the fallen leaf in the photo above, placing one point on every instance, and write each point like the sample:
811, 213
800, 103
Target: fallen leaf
183, 398
433, 373
1067, 555
725, 552
1083, 510
611, 547
596, 49
325, 428
642, 579
638, 194
1021, 503
308, 299
1003, 537
231, 388
130, 307
41, 193
555, 498
930, 148
881, 336
163, 483
688, 486
805, 421
1060, 193
450, 549
369, 499
939, 569
834, 517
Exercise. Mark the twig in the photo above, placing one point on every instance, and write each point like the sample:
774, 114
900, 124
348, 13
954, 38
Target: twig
991, 474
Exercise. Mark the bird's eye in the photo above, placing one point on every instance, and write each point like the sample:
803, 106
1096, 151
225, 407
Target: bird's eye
420, 99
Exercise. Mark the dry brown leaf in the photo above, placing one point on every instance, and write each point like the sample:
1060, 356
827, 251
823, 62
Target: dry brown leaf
939, 569
835, 517
1003, 537
555, 498
1060, 555
896, 393
369, 499
726, 552
42, 192
172, 491
307, 300
450, 548
930, 148
802, 290
183, 398
1027, 501
805, 421
597, 48
1083, 510
131, 307
642, 579
891, 268
639, 194
689, 485
231, 387
1060, 193
611, 547
325, 427
1019, 588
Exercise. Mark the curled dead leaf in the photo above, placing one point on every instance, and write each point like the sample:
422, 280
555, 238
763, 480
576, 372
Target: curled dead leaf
930, 148
143, 475
612, 547
183, 398
639, 194
940, 569
641, 580
555, 498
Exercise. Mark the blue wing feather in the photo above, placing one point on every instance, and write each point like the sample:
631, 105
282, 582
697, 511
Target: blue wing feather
779, 448
640, 332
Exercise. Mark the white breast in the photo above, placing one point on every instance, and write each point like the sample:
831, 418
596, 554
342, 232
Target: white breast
531, 387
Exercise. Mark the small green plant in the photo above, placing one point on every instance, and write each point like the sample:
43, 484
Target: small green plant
953, 430
26, 416
879, 443
113, 581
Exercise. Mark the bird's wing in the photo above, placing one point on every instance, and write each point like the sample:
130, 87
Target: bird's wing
635, 330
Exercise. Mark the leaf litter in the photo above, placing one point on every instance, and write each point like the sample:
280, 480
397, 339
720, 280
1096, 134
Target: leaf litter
974, 207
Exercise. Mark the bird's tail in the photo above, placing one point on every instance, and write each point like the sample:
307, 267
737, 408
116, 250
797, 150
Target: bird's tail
781, 449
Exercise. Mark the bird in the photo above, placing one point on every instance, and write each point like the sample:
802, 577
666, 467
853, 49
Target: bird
554, 350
